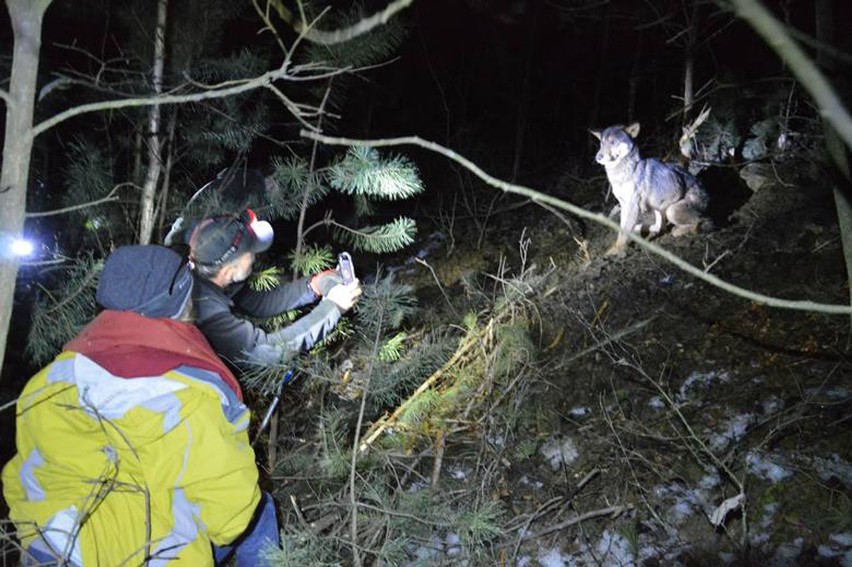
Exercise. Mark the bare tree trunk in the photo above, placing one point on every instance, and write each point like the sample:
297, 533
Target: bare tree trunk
834, 144
163, 201
688, 84
523, 101
602, 69
26, 18
689, 63
149, 189
634, 79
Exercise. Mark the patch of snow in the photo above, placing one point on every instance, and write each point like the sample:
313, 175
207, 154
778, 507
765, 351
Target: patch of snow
497, 441
559, 452
552, 558
834, 467
524, 561
525, 480
579, 411
835, 393
614, 549
727, 558
734, 430
771, 404
656, 403
453, 545
786, 553
839, 546
458, 474
684, 502
417, 486
703, 379
426, 554
766, 467
710, 480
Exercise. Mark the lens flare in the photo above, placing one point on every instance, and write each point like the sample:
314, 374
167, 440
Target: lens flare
21, 247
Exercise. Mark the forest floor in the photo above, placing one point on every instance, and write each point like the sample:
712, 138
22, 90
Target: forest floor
668, 421
653, 419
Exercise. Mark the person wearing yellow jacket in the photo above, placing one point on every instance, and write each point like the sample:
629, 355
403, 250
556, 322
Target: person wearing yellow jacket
132, 445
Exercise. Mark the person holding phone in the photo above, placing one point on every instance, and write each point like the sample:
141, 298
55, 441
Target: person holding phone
222, 250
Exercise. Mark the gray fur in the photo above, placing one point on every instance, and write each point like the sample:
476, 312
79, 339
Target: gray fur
643, 185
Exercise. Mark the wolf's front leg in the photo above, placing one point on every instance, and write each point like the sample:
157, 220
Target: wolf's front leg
629, 216
658, 222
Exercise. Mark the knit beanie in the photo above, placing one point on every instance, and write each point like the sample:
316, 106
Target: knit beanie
153, 281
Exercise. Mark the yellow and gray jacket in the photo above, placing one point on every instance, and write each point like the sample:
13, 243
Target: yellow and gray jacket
132, 448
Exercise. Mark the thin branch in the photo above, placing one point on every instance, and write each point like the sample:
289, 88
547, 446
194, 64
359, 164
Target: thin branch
367, 24
111, 197
610, 511
353, 530
803, 305
244, 86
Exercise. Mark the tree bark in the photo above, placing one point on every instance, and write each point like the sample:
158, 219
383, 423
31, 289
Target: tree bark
833, 143
26, 17
149, 189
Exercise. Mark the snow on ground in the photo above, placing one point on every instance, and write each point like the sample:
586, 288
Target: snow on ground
559, 452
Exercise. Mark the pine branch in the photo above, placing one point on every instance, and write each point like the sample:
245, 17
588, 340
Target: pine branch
312, 259
364, 172
58, 315
379, 239
295, 180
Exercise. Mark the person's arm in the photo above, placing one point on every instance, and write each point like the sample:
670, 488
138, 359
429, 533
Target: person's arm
298, 337
241, 342
285, 296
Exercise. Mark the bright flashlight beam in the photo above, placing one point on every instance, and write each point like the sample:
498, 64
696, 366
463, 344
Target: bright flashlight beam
21, 247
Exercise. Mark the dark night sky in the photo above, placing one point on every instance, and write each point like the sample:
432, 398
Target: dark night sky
469, 68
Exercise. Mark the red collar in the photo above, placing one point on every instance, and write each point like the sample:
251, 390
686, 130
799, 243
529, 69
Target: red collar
132, 346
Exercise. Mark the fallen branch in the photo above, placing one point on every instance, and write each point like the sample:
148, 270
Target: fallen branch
467, 344
611, 511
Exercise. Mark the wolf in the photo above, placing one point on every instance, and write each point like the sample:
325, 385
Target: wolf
642, 185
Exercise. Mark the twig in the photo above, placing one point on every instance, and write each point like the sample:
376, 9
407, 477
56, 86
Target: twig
552, 503
611, 511
803, 305
609, 339
353, 497
111, 197
440, 443
437, 281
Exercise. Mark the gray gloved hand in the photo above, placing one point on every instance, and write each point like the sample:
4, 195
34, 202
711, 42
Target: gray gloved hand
322, 282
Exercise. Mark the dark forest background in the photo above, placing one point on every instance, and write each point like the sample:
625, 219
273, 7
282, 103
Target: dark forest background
513, 86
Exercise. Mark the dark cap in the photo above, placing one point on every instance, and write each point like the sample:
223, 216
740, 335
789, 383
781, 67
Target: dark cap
150, 280
218, 240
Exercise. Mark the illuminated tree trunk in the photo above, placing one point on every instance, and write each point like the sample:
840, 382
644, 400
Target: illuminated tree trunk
26, 18
155, 165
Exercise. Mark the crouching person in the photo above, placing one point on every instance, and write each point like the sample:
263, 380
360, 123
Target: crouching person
222, 251
132, 445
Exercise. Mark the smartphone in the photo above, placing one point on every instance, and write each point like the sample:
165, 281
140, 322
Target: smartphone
346, 267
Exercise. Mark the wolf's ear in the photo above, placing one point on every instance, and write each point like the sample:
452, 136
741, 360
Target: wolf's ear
633, 129
595, 133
